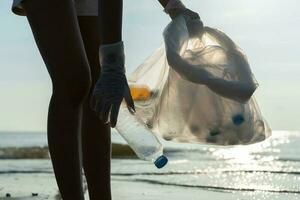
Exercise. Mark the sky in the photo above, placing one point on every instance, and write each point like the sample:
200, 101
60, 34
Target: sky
268, 31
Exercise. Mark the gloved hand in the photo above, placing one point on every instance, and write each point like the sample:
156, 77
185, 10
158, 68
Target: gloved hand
112, 85
194, 24
190, 14
176, 7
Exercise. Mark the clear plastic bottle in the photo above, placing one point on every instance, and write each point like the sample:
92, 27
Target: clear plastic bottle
142, 141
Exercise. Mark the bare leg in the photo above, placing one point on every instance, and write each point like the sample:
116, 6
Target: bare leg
56, 31
96, 143
111, 12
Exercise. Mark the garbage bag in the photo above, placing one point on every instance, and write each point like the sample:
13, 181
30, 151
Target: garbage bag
201, 89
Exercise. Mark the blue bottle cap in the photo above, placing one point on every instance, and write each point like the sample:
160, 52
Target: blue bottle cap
238, 119
161, 161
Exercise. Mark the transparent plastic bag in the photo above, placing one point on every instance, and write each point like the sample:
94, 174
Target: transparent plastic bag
201, 89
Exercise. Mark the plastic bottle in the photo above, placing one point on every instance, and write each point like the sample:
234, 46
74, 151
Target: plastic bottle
142, 141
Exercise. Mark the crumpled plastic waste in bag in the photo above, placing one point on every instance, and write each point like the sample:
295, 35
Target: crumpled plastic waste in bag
198, 88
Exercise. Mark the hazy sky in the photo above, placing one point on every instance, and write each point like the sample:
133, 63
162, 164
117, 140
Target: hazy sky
267, 30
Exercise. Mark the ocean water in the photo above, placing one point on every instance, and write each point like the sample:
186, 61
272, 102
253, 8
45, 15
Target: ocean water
267, 170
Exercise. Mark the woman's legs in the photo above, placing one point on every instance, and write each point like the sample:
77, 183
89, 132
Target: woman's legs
56, 31
96, 143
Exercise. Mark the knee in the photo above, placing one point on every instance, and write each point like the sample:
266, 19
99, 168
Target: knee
73, 89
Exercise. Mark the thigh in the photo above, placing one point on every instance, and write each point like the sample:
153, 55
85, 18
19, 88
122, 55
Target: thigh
56, 31
90, 32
